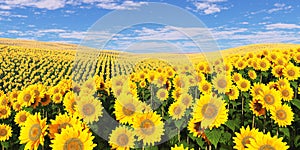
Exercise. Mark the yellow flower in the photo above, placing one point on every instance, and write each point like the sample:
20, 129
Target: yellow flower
236, 77
4, 112
126, 108
283, 115
57, 98
287, 93
210, 111
265, 141
291, 72
70, 102
61, 122
176, 110
72, 138
33, 132
21, 117
243, 84
149, 127
234, 93
180, 147
257, 88
222, 83
205, 87
263, 64
162, 94
270, 98
26, 97
122, 138
252, 74
257, 107
90, 109
186, 100
277, 71
243, 138
5, 132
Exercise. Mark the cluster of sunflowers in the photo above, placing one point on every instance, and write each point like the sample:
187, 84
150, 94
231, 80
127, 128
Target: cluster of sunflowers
57, 99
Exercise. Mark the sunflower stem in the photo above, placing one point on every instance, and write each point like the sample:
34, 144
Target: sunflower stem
277, 131
253, 121
265, 117
178, 135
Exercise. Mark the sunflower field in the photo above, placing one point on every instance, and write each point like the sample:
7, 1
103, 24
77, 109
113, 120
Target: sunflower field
87, 99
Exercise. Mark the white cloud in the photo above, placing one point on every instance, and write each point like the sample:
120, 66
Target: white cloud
244, 23
279, 7
5, 13
208, 6
56, 4
126, 5
282, 26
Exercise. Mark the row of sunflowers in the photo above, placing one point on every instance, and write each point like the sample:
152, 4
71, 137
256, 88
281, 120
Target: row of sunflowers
57, 99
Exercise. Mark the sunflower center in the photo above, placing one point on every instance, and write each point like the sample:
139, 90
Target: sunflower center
291, 72
257, 91
246, 140
88, 109
205, 87
3, 132
57, 97
263, 64
269, 99
162, 94
36, 92
23, 118
222, 83
236, 78
147, 127
73, 144
209, 111
267, 147
285, 93
244, 84
177, 110
122, 140
281, 114
186, 100
35, 132
15, 95
128, 109
27, 97
3, 112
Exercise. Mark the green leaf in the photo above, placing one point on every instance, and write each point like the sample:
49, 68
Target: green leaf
294, 84
151, 148
297, 141
296, 102
178, 123
200, 142
191, 136
226, 136
232, 124
285, 131
214, 136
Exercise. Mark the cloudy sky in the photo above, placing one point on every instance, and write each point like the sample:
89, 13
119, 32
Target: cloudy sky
229, 23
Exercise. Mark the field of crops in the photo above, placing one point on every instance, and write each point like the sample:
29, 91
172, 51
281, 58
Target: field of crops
87, 99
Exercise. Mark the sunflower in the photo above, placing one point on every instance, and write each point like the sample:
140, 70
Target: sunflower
149, 127
205, 87
17, 106
176, 94
160, 79
4, 112
257, 88
180, 147
283, 115
61, 122
240, 64
210, 111
252, 74
234, 93
243, 138
277, 71
26, 97
70, 102
186, 100
236, 77
291, 72
162, 94
73, 138
243, 84
270, 98
266, 142
126, 108
89, 108
13, 95
296, 57
283, 82
222, 83
180, 82
21, 117
287, 93
57, 98
33, 132
176, 110
257, 107
263, 64
122, 138
5, 132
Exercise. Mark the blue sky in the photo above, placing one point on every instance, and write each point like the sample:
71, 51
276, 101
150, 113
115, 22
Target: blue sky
230, 23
